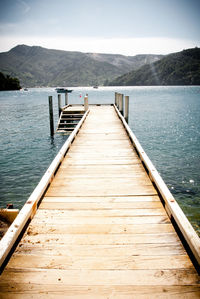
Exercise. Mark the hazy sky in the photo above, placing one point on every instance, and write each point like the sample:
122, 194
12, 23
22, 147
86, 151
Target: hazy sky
127, 27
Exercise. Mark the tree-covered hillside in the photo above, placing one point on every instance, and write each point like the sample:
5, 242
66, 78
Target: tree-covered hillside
37, 66
182, 68
9, 83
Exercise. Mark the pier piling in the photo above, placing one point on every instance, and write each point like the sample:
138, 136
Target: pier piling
126, 108
51, 115
121, 98
59, 104
66, 99
86, 102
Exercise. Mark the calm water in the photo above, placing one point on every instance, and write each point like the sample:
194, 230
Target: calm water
166, 121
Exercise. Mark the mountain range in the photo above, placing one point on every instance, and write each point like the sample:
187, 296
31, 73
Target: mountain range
181, 68
37, 66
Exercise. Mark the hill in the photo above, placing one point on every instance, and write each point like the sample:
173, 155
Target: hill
182, 68
37, 66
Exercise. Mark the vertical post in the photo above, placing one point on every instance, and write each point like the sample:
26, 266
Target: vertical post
59, 104
126, 109
121, 103
118, 95
86, 102
115, 98
51, 115
66, 98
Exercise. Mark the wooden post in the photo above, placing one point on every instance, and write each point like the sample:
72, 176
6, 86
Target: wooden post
118, 95
51, 115
121, 103
66, 98
115, 98
118, 99
86, 102
59, 104
126, 108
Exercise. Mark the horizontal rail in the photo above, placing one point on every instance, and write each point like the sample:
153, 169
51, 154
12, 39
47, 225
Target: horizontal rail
29, 209
171, 206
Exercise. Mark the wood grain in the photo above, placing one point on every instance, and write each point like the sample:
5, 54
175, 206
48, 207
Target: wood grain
101, 230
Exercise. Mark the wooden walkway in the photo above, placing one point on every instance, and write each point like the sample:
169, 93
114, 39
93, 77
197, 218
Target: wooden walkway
101, 230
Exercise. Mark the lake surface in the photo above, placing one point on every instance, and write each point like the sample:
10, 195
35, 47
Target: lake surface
166, 120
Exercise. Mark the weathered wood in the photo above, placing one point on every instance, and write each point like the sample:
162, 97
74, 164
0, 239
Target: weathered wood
101, 230
100, 213
126, 108
103, 277
104, 262
51, 115
172, 206
86, 102
54, 203
98, 292
30, 206
59, 104
105, 199
66, 98
144, 219
101, 250
50, 228
103, 239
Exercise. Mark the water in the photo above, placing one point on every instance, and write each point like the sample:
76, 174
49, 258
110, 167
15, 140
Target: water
164, 119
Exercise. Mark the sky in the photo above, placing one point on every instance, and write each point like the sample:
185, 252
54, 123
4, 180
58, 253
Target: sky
127, 27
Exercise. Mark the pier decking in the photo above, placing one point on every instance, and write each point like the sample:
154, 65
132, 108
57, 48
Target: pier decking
101, 229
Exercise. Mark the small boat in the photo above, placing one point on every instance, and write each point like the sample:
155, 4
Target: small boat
63, 90
95, 87
25, 89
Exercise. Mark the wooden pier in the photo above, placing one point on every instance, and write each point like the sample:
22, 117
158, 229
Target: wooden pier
106, 224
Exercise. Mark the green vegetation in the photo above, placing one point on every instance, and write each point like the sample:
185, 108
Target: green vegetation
37, 66
182, 68
8, 83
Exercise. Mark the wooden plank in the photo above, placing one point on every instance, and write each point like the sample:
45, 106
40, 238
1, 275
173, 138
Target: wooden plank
121, 161
107, 183
110, 170
102, 239
99, 213
105, 155
103, 263
151, 219
101, 250
107, 199
120, 136
103, 277
64, 205
98, 292
49, 228
92, 190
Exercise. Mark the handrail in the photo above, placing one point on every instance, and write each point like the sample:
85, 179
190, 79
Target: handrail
29, 209
171, 206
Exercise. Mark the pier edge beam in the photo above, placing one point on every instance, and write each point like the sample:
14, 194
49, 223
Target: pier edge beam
51, 115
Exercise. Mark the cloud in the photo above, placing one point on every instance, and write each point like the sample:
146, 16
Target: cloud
125, 46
